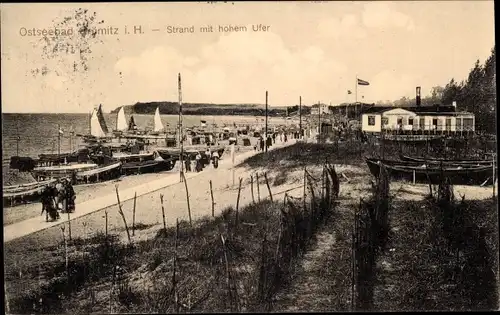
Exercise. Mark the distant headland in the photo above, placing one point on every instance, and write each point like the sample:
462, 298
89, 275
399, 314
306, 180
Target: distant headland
172, 108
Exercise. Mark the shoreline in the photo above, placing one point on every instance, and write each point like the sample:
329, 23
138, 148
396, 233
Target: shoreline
30, 220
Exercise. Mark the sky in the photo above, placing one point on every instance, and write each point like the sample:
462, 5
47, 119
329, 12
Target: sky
315, 50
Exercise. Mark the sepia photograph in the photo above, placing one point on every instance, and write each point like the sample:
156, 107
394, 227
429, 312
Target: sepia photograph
241, 157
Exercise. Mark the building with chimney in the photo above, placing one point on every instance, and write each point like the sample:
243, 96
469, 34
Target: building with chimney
433, 119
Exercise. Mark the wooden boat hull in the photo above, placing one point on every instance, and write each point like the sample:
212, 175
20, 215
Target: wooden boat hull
31, 192
419, 164
188, 151
411, 139
141, 157
433, 174
61, 170
446, 162
79, 156
133, 168
100, 174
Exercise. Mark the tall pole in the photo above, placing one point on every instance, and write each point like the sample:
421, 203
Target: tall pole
319, 122
180, 129
17, 139
58, 140
356, 99
265, 143
300, 116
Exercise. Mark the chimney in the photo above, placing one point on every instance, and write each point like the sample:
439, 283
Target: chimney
418, 96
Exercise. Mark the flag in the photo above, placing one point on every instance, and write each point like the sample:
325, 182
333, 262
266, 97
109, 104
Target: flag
363, 82
61, 131
349, 92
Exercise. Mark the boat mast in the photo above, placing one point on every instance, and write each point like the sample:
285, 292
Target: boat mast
180, 128
300, 116
265, 133
58, 140
319, 122
17, 139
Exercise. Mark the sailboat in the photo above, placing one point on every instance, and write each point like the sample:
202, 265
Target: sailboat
98, 127
158, 125
121, 121
131, 124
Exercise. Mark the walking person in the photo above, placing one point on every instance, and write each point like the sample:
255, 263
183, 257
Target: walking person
187, 163
215, 159
198, 162
49, 203
70, 197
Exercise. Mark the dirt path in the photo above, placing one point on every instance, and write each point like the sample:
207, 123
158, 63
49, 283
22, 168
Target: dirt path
35, 224
322, 280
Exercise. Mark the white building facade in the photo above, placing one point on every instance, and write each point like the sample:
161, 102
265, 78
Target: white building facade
399, 119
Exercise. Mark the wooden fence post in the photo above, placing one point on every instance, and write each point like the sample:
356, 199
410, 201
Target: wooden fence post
163, 214
268, 187
238, 201
66, 259
187, 198
251, 187
133, 215
106, 223
174, 281
69, 225
120, 211
228, 283
258, 188
212, 195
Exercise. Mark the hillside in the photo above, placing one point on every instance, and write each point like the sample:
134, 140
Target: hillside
172, 108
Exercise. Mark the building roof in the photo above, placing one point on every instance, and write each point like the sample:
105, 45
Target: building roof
433, 110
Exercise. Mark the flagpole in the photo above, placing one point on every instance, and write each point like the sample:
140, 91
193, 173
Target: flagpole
300, 116
265, 133
58, 140
356, 99
17, 138
356, 87
180, 129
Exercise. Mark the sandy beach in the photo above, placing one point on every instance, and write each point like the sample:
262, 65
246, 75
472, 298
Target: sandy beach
89, 191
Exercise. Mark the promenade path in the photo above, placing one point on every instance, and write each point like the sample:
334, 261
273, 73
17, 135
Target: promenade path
36, 224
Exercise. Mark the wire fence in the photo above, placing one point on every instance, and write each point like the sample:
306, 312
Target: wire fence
370, 234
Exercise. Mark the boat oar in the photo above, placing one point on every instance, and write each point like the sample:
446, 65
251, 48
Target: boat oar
487, 180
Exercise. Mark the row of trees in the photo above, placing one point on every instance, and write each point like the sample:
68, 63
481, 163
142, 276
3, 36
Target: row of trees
477, 94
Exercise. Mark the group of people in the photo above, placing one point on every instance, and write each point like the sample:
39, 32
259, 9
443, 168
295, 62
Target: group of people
58, 197
200, 162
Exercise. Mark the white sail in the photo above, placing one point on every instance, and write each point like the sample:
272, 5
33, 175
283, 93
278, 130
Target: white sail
95, 125
121, 121
158, 124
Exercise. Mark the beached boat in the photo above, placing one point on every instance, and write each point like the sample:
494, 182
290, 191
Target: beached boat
153, 166
168, 153
15, 194
100, 174
131, 157
458, 175
80, 156
411, 138
59, 171
421, 164
431, 160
